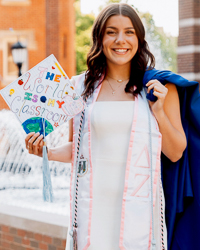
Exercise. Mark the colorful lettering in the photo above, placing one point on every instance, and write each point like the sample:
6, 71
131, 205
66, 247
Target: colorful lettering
51, 102
50, 75
43, 111
40, 86
47, 88
21, 108
28, 76
38, 107
31, 84
62, 117
27, 97
56, 79
42, 70
59, 94
55, 89
60, 104
17, 98
53, 117
25, 109
63, 90
33, 109
51, 113
35, 98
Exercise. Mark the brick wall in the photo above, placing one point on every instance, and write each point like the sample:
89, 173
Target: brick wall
189, 62
189, 35
28, 229
18, 239
67, 55
25, 18
51, 28
189, 39
188, 9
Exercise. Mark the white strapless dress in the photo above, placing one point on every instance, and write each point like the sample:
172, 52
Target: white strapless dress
111, 127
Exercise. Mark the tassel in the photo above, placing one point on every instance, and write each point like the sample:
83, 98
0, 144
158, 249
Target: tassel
73, 240
47, 187
153, 243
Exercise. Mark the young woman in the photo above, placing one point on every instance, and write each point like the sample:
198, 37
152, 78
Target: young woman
120, 200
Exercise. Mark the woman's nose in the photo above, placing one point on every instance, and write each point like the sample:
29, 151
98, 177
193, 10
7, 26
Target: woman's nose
120, 38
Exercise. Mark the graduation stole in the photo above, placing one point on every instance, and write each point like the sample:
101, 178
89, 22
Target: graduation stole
141, 177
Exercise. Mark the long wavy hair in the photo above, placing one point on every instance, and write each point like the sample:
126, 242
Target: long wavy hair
96, 60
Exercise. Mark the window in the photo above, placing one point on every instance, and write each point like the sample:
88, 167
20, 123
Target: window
16, 2
10, 69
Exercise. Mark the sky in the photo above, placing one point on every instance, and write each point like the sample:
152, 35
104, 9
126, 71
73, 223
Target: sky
165, 12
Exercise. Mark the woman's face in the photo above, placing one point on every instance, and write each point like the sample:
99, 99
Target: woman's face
120, 42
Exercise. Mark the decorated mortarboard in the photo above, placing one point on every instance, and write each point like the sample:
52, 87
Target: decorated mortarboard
43, 99
44, 93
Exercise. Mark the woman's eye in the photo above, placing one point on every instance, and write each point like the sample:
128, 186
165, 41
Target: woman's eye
110, 32
130, 32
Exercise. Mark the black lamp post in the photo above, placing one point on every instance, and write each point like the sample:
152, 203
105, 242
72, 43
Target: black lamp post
19, 55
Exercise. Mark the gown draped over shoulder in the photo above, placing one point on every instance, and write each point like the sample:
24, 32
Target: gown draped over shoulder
110, 133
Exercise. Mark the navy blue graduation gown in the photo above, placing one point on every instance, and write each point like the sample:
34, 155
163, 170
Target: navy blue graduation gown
181, 180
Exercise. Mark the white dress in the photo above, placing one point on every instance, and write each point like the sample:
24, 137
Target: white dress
110, 133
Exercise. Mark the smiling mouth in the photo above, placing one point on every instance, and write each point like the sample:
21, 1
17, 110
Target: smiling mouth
121, 50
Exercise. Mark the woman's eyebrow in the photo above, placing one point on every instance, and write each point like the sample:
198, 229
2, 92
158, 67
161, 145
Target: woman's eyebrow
111, 27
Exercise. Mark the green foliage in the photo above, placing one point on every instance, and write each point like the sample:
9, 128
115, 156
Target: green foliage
165, 43
83, 33
168, 45
112, 1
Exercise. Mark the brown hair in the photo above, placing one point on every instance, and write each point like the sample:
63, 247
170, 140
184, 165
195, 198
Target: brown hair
96, 60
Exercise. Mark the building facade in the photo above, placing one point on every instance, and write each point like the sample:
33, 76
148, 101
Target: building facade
189, 39
44, 26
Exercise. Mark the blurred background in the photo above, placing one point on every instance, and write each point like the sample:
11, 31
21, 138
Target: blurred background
31, 30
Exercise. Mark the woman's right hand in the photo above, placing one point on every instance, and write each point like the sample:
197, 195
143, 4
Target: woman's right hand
34, 143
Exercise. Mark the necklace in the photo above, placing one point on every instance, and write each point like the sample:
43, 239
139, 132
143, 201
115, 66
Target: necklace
113, 90
118, 80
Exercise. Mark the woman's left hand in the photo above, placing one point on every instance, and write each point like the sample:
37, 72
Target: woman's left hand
160, 91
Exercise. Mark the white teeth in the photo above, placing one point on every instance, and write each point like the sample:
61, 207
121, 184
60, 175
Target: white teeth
120, 50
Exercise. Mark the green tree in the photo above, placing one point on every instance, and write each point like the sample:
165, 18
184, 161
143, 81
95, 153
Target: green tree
83, 37
163, 46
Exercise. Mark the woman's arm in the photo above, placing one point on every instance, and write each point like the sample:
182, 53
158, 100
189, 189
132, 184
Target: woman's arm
167, 112
34, 143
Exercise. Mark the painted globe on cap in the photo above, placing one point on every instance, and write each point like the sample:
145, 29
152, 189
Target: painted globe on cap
35, 124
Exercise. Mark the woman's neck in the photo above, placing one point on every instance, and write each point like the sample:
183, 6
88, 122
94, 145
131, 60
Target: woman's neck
119, 72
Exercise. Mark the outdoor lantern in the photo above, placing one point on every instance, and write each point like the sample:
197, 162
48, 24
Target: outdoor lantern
19, 55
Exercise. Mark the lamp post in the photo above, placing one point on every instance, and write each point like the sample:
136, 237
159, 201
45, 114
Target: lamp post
19, 55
